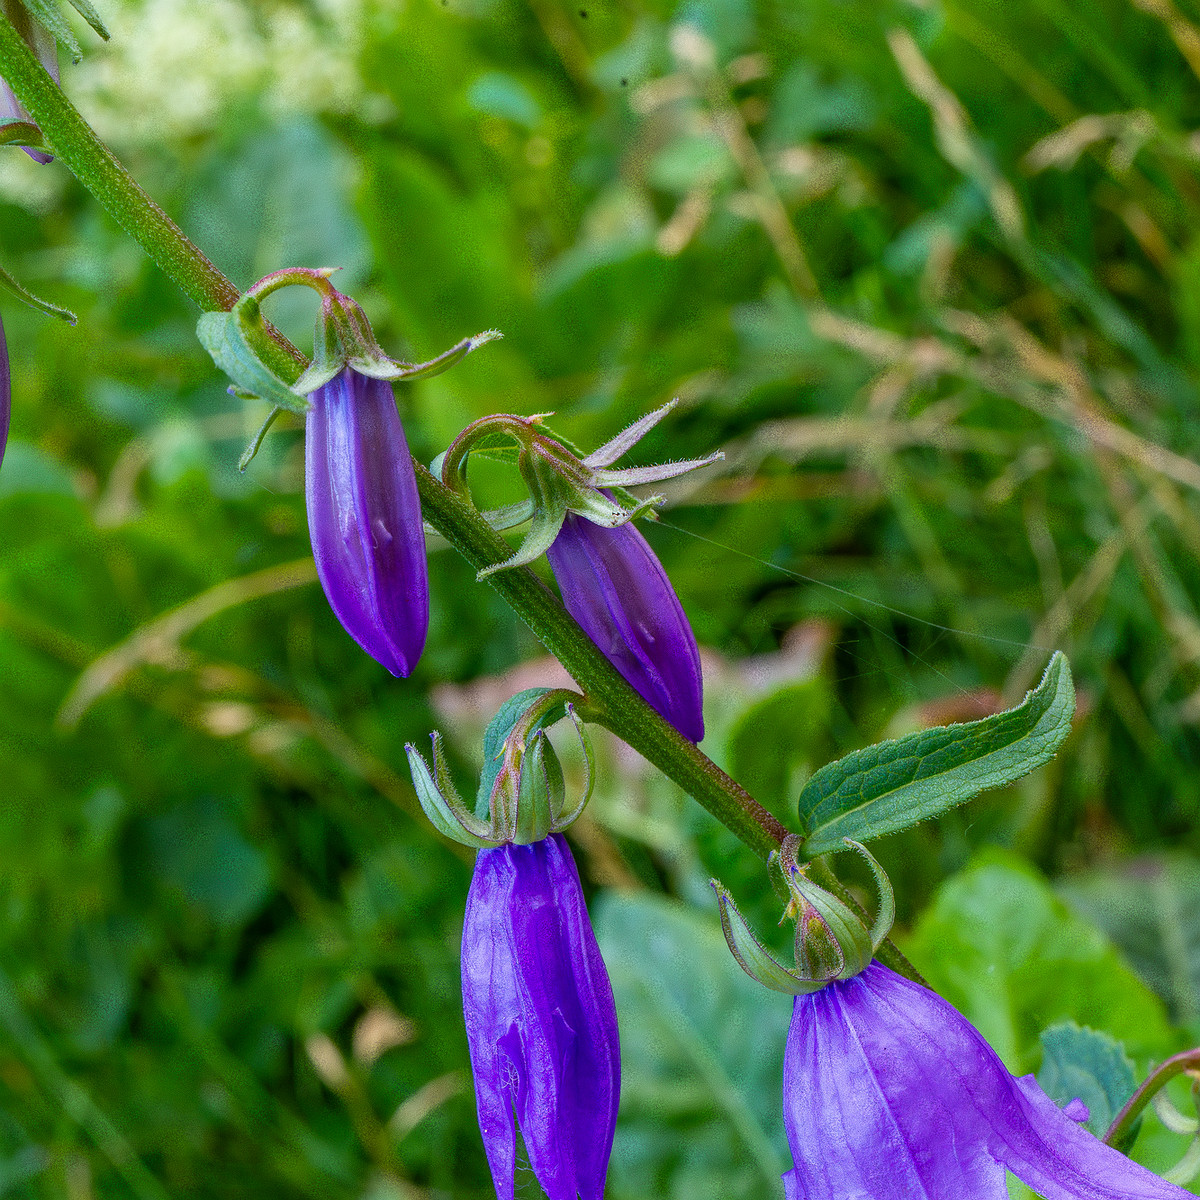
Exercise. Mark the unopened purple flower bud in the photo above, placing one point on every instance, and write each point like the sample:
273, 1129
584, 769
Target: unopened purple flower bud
541, 1022
615, 587
364, 518
5, 393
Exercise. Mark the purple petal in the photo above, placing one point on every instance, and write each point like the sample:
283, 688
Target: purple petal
364, 518
617, 590
541, 1022
891, 1094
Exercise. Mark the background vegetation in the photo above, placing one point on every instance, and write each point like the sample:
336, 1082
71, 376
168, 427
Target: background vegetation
928, 271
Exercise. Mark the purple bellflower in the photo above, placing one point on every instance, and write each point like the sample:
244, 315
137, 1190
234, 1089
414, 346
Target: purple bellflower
890, 1094
5, 393
364, 518
541, 1022
615, 587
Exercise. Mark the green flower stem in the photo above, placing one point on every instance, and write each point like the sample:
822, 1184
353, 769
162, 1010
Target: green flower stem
1189, 1060
617, 705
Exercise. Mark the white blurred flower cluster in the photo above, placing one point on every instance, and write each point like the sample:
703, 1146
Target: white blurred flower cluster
174, 66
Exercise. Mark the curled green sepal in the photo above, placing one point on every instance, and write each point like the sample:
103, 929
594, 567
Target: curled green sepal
26, 296
524, 784
231, 339
344, 337
441, 802
831, 940
753, 957
238, 339
558, 479
16, 132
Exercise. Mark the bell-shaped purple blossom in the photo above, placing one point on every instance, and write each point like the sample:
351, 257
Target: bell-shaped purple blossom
541, 1022
364, 518
890, 1094
615, 587
5, 393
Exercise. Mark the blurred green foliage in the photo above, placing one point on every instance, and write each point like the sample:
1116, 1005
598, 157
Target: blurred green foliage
927, 271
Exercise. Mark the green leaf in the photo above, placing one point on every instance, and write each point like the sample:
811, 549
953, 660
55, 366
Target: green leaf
893, 785
1001, 947
702, 1058
43, 306
1087, 1064
1004, 950
222, 336
771, 744
1149, 909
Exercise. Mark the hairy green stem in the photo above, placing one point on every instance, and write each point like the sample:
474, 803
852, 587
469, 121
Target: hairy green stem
616, 704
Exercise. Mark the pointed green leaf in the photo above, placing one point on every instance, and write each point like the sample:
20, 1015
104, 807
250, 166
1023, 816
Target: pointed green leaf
540, 790
543, 529
893, 785
435, 366
44, 306
15, 132
256, 445
606, 455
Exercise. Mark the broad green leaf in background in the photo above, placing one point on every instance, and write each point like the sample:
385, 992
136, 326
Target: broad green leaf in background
701, 1054
1151, 909
771, 743
884, 788
1003, 949
1087, 1064
1008, 954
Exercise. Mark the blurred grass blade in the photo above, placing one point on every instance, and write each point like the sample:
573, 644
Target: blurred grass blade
158, 641
884, 788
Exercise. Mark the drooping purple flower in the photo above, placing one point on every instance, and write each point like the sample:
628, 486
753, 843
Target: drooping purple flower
889, 1093
5, 393
42, 43
541, 1022
364, 518
615, 587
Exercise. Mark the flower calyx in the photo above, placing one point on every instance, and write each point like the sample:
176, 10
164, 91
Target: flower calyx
559, 477
241, 344
522, 795
832, 941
